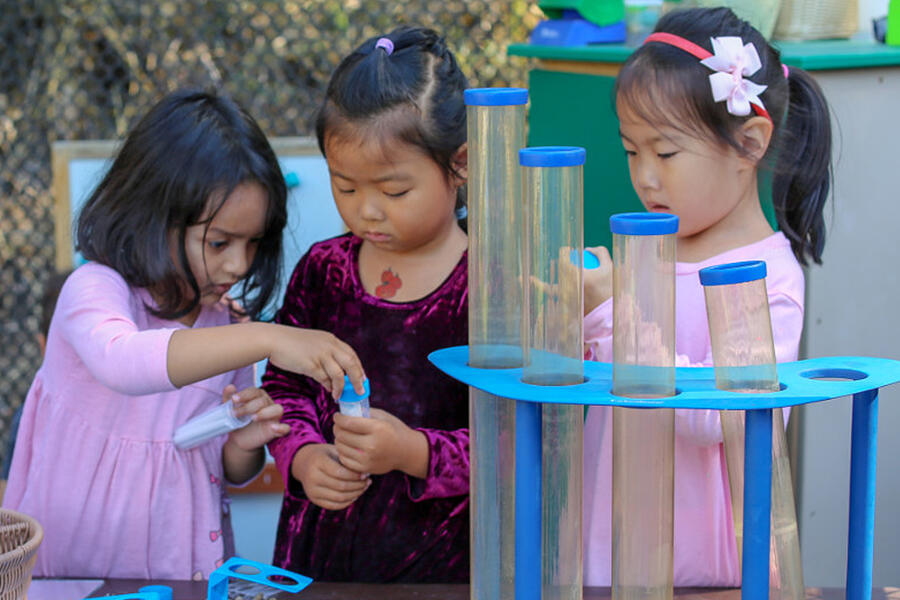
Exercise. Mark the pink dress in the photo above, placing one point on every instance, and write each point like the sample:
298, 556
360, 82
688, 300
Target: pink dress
94, 460
705, 552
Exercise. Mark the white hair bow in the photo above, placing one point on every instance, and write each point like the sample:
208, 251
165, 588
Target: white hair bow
733, 60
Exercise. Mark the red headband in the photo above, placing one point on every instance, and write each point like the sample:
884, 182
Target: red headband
731, 75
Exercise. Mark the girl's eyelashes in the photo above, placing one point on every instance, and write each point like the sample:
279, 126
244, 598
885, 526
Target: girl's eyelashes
217, 244
630, 153
396, 194
665, 155
350, 191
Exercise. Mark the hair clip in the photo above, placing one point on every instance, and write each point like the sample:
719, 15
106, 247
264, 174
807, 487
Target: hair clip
732, 60
385, 43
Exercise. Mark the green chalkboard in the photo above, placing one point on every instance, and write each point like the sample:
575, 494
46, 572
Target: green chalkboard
571, 109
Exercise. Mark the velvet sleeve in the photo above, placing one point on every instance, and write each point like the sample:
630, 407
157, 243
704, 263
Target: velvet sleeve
448, 466
297, 394
96, 316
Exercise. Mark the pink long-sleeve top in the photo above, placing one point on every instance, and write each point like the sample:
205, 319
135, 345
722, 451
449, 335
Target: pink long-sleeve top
705, 553
94, 460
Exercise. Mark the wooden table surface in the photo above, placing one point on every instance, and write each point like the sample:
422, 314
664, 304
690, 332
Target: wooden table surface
195, 590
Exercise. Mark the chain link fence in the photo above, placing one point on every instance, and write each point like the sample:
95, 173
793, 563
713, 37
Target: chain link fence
86, 69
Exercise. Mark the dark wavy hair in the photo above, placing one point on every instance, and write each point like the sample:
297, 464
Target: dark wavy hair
420, 80
178, 165
668, 86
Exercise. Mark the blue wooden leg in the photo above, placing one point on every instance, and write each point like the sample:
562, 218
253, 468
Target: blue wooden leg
528, 501
863, 443
757, 504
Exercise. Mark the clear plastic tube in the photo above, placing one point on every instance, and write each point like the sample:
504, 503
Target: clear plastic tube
496, 132
553, 351
216, 421
740, 330
643, 440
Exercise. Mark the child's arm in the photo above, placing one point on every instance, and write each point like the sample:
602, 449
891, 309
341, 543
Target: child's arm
196, 354
243, 455
307, 462
435, 461
99, 321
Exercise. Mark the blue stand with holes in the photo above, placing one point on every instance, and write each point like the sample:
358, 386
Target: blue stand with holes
218, 579
239, 568
697, 389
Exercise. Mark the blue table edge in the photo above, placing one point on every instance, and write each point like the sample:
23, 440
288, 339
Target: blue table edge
801, 383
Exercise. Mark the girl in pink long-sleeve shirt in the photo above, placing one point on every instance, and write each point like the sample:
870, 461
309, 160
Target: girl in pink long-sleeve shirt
696, 134
144, 338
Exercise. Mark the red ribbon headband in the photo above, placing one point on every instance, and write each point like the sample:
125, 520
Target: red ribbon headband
702, 54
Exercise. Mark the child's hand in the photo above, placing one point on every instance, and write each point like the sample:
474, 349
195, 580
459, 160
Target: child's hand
266, 424
326, 482
598, 281
319, 355
380, 444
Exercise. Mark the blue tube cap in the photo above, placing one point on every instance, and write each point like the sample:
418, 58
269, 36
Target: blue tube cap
737, 272
552, 156
589, 259
495, 96
643, 223
350, 395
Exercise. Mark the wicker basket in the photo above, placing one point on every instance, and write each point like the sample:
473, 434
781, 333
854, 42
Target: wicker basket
20, 536
817, 19
759, 13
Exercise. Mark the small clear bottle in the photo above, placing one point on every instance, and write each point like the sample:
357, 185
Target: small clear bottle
353, 404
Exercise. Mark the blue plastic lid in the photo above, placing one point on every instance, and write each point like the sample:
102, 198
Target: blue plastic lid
495, 96
350, 395
291, 180
738, 272
552, 156
163, 592
643, 223
589, 259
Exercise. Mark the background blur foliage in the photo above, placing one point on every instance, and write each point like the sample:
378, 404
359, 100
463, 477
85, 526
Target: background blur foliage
85, 69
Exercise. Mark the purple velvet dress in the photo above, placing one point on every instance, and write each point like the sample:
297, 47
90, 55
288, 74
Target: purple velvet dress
402, 529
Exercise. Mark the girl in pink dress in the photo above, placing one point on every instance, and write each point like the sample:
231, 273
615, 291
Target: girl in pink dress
703, 105
144, 338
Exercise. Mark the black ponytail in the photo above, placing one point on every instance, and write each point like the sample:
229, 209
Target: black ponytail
420, 79
802, 173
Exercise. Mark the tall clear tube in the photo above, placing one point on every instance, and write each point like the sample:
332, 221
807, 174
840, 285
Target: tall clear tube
496, 133
643, 440
740, 330
553, 351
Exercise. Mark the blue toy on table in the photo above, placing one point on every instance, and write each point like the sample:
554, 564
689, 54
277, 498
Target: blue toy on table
801, 383
238, 568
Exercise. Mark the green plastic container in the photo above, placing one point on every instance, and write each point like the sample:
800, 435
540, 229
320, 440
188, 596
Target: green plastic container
893, 26
598, 12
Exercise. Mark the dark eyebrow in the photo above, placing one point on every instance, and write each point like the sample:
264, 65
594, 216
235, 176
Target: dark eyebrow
232, 234
389, 177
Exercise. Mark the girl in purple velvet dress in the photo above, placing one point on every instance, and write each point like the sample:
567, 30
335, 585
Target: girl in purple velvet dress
384, 499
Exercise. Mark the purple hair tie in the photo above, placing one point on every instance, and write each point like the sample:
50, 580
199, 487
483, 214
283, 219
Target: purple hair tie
784, 67
385, 43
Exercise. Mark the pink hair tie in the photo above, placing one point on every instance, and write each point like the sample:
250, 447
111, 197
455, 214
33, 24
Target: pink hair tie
385, 43
785, 69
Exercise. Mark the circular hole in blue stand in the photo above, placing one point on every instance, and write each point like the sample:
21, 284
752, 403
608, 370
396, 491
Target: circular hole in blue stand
282, 580
245, 569
834, 374
649, 397
555, 381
